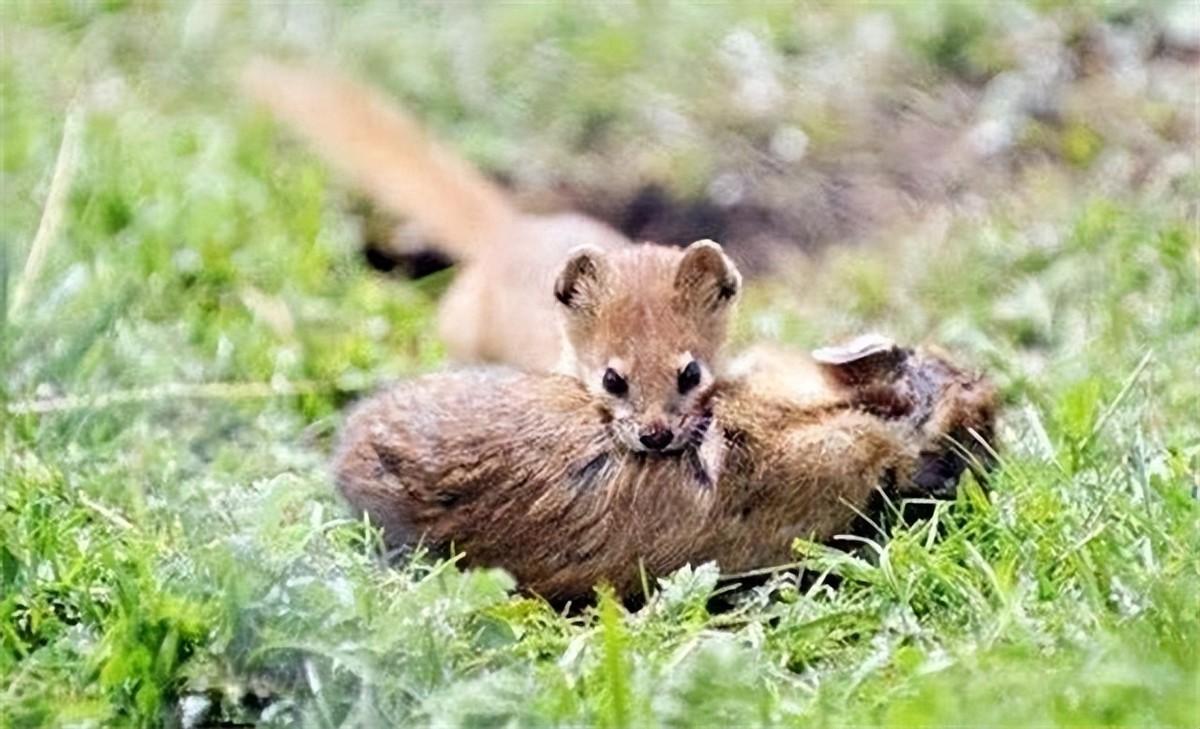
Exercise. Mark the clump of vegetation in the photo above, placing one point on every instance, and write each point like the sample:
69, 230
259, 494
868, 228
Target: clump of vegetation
171, 551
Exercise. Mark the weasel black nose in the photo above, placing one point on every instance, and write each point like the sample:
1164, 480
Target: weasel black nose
656, 439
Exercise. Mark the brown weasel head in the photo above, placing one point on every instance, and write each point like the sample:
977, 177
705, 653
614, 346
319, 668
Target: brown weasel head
644, 326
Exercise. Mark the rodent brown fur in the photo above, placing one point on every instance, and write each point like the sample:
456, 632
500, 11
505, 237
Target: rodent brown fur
518, 470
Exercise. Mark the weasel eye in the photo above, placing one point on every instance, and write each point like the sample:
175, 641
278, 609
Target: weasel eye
689, 377
614, 383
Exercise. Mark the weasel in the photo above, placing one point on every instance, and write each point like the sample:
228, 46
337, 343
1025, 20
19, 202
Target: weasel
517, 470
641, 326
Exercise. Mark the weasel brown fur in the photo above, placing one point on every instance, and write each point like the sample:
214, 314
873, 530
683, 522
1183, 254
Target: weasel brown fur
636, 316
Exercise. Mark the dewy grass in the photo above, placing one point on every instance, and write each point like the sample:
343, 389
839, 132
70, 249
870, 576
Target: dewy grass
170, 559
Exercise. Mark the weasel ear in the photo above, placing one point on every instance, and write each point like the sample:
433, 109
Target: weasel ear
706, 277
579, 283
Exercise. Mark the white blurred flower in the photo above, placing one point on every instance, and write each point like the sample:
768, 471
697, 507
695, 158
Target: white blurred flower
789, 143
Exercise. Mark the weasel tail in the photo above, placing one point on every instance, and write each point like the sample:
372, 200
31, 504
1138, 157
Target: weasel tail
385, 153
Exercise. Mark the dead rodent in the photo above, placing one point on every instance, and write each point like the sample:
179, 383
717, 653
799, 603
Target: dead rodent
519, 470
544, 293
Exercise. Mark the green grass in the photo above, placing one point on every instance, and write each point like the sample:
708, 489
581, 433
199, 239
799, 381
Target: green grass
172, 550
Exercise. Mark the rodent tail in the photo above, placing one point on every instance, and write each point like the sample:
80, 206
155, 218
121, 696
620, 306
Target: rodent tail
383, 151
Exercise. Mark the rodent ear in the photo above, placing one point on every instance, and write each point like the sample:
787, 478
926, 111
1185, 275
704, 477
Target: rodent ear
578, 284
706, 277
864, 359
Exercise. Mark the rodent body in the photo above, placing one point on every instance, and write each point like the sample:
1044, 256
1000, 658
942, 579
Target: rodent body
518, 471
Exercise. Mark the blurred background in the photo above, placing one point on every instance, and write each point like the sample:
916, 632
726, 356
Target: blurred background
192, 297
